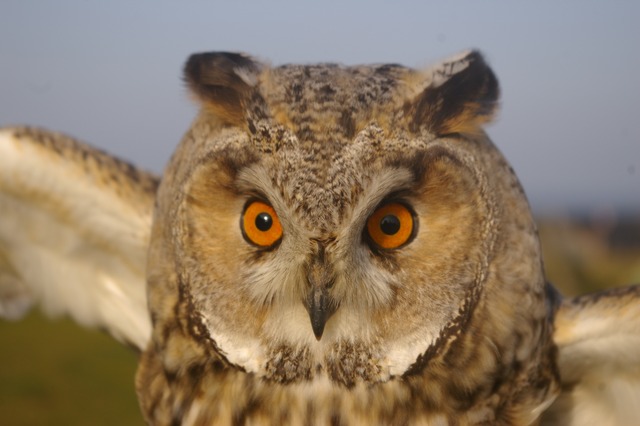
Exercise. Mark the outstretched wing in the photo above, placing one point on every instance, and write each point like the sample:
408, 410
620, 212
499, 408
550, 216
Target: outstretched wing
598, 338
74, 232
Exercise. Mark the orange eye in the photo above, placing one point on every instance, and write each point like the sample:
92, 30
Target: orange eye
260, 224
391, 226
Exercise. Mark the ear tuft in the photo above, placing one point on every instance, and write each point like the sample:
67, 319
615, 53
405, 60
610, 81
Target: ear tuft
223, 82
461, 94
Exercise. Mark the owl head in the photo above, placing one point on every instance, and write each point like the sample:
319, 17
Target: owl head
353, 223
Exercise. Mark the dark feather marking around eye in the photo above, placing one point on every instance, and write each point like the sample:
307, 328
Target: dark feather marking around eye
418, 164
230, 161
234, 160
259, 254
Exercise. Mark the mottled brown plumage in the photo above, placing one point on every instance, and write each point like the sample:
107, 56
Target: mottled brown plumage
325, 145
327, 324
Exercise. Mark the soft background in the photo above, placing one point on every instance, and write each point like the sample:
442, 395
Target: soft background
110, 73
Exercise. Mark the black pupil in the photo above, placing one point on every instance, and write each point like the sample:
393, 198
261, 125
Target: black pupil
390, 224
264, 221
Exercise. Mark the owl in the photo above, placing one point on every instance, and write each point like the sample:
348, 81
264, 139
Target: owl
328, 245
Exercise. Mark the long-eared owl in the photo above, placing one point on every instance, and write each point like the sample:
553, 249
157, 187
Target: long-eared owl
328, 245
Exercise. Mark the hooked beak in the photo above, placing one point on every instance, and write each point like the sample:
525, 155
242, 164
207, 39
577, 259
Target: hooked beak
319, 303
320, 310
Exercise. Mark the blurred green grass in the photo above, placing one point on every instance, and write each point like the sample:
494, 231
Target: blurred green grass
53, 372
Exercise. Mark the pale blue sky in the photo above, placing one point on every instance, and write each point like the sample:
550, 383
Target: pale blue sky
109, 72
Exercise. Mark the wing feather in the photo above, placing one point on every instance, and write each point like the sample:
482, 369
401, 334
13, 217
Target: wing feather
598, 338
74, 233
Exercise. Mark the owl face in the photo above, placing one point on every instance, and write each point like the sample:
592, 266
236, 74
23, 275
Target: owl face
350, 257
329, 221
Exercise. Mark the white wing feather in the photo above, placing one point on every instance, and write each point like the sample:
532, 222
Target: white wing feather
598, 338
74, 232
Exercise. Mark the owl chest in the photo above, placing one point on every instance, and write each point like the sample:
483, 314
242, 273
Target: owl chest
214, 394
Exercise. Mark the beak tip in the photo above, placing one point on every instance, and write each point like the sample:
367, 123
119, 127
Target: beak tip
320, 308
317, 331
